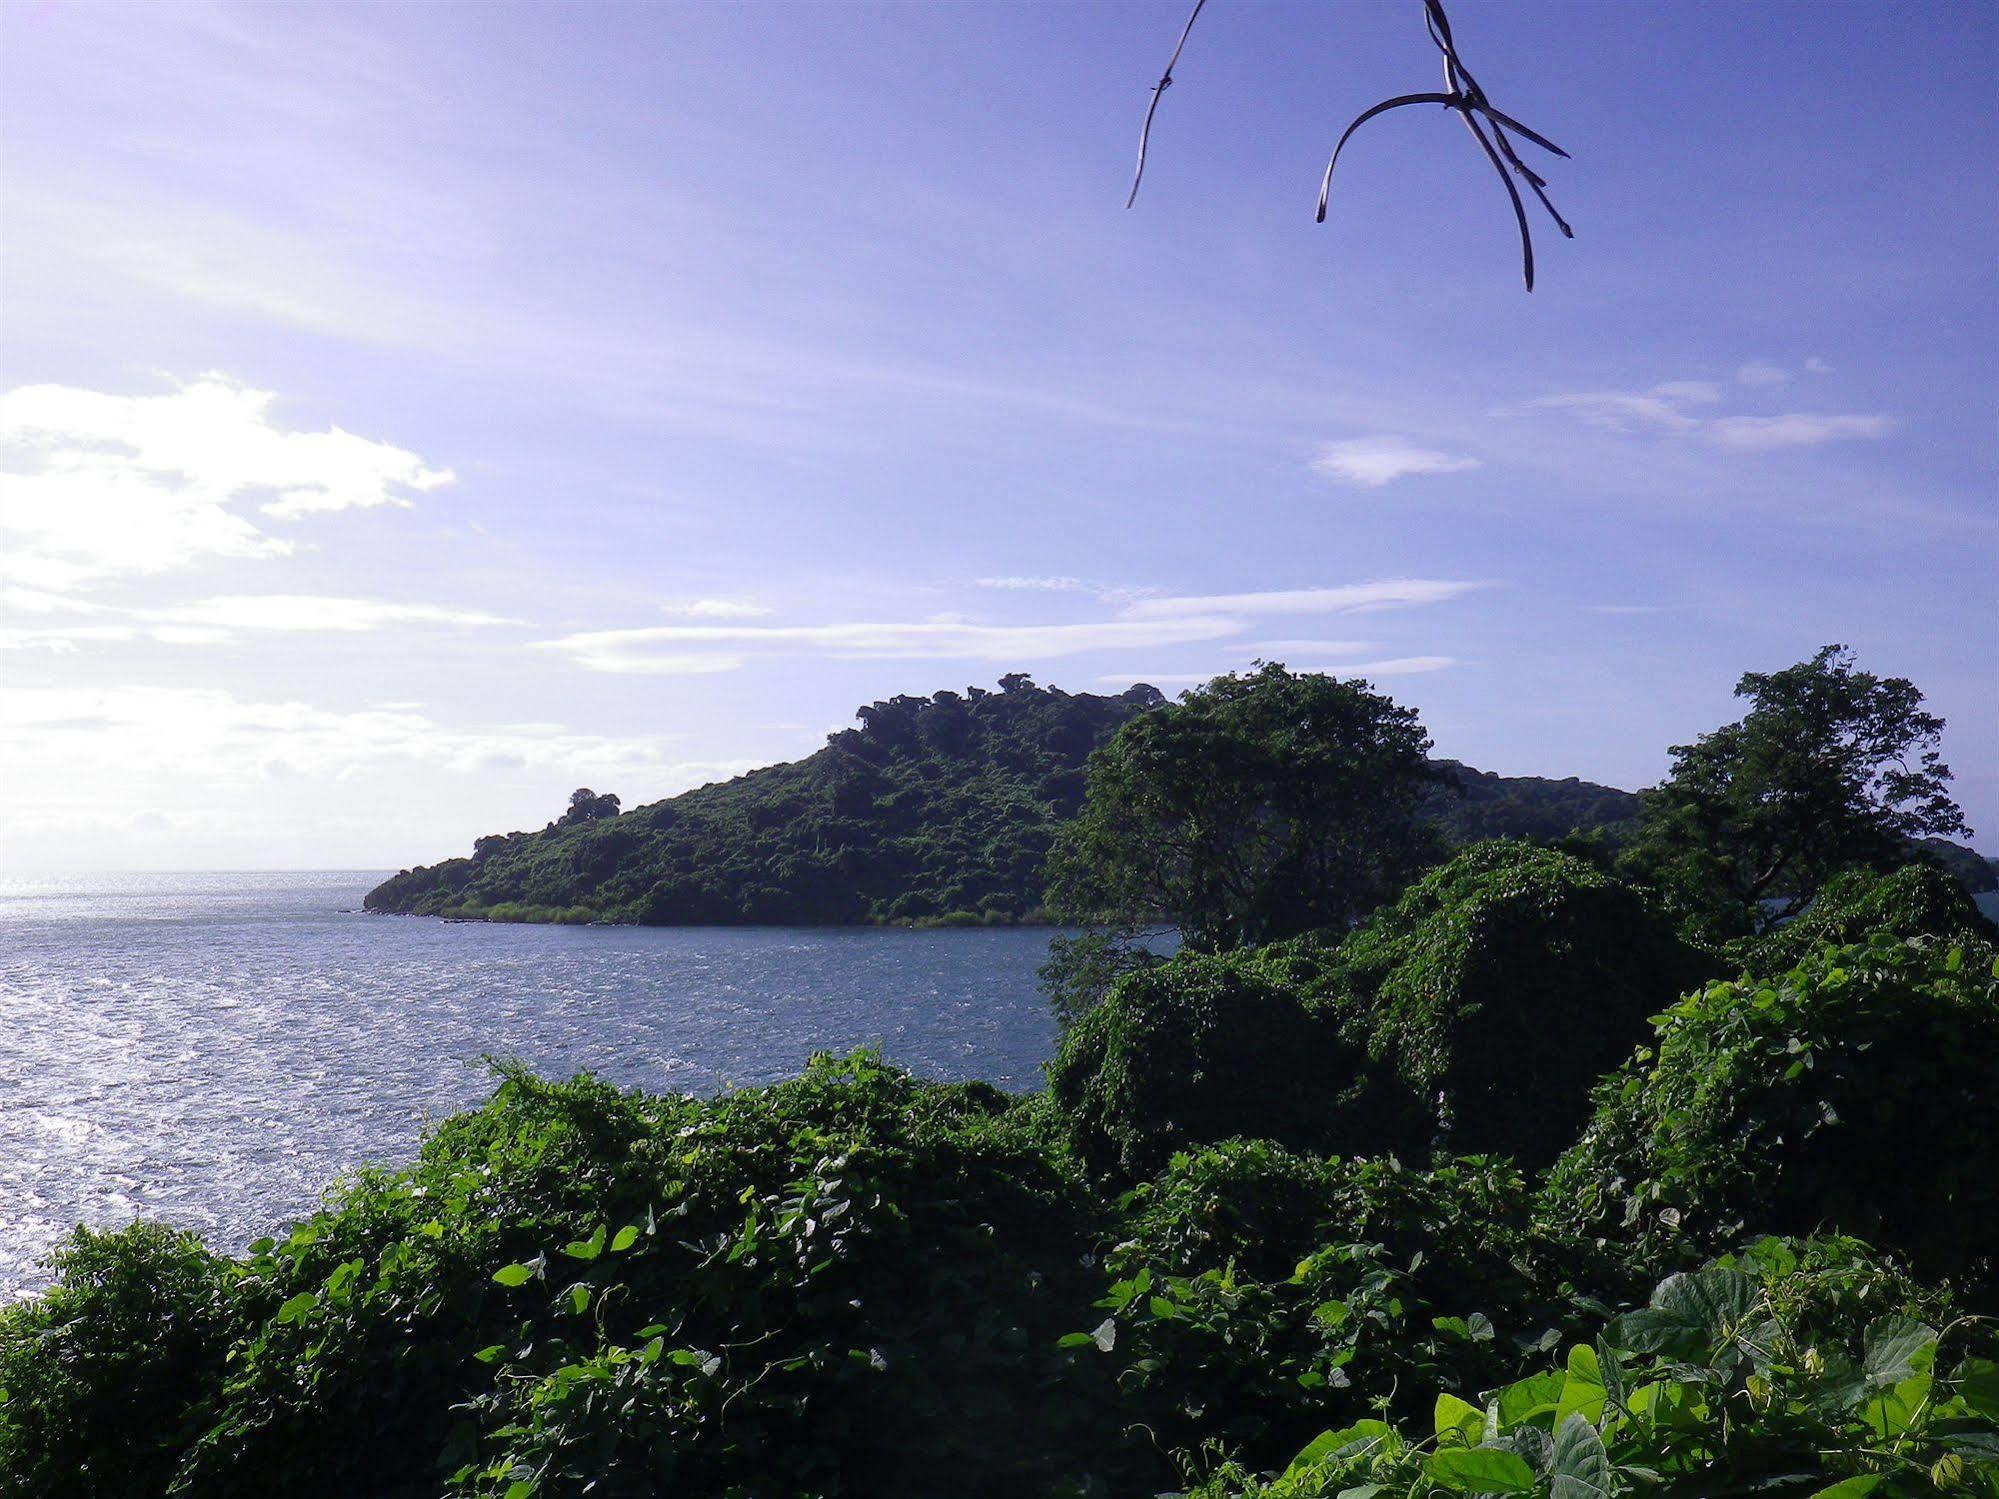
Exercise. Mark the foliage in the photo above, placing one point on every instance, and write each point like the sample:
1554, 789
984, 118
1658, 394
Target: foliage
1917, 900
1498, 988
1792, 1369
830, 1286
1260, 1293
102, 1380
1256, 808
1082, 969
1853, 1093
1832, 767
935, 807
1197, 1049
1481, 805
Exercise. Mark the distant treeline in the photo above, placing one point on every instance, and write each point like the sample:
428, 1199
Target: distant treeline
937, 810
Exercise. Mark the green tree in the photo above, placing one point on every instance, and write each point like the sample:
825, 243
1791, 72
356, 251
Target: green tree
1832, 768
1256, 808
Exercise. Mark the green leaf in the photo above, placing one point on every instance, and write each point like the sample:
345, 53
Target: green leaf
1581, 1468
515, 1275
586, 1249
491, 1353
520, 1488
627, 1237
1851, 1488
1977, 1384
297, 1307
1524, 1399
1583, 1392
1348, 1441
1479, 1470
1892, 1349
579, 1298
1455, 1416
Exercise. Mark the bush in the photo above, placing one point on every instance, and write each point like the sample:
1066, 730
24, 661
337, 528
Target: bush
1917, 900
1797, 1368
1260, 1293
844, 1284
1499, 988
1854, 1093
107, 1377
1200, 1048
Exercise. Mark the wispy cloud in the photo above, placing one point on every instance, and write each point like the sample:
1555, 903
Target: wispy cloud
1349, 598
716, 609
217, 620
629, 651
1624, 608
1112, 593
1371, 462
218, 734
1666, 409
1819, 366
1318, 647
1795, 429
1761, 372
1395, 666
98, 486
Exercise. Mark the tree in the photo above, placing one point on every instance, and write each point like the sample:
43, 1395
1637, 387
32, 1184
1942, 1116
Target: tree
1831, 769
586, 805
1255, 808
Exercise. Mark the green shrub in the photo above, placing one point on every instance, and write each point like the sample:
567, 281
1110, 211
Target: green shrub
1794, 1368
1258, 1292
1917, 900
1499, 988
108, 1375
1201, 1048
1854, 1093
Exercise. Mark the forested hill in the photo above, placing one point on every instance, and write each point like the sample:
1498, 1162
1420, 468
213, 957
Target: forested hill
934, 807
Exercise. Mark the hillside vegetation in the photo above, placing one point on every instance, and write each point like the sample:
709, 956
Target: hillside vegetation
938, 809
934, 808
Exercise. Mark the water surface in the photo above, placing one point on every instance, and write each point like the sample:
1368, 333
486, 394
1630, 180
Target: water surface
214, 1049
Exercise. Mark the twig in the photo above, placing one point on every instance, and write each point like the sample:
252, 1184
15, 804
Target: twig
1461, 94
1165, 82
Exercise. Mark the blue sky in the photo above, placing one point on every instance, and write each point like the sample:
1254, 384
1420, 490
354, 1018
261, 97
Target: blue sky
414, 412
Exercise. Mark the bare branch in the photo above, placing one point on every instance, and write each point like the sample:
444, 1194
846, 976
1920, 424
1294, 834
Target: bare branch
1158, 89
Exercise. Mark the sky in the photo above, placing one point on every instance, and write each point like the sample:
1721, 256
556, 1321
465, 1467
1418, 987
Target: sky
412, 413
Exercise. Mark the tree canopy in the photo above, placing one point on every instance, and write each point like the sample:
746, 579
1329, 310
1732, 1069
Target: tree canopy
1257, 807
1831, 768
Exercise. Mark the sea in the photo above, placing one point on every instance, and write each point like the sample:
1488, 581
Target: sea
213, 1050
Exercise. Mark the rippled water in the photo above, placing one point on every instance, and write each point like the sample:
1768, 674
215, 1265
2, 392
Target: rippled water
214, 1049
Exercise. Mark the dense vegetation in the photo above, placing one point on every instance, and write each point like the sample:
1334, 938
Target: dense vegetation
938, 808
941, 810
1524, 1184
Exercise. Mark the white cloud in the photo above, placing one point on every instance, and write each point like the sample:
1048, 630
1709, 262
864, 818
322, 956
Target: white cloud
99, 486
1397, 666
947, 638
1371, 462
1317, 647
716, 609
1111, 593
215, 621
216, 735
302, 611
1819, 366
1761, 372
1794, 429
1660, 409
1663, 409
1350, 598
